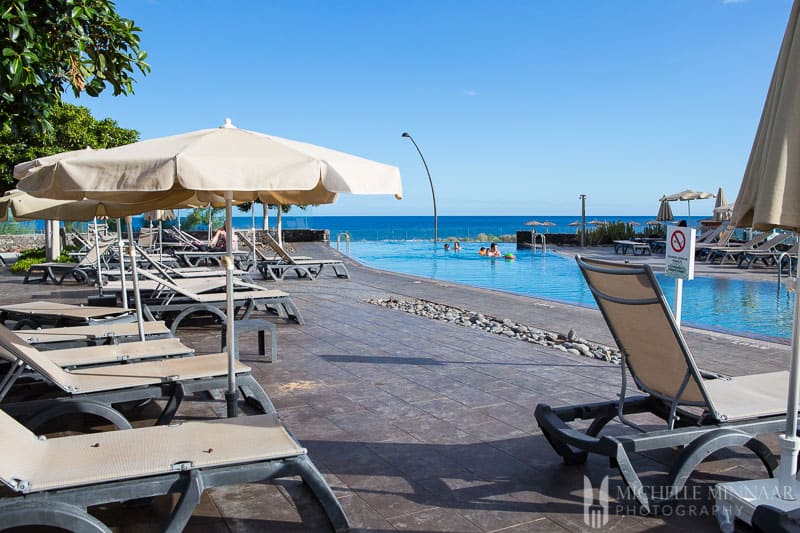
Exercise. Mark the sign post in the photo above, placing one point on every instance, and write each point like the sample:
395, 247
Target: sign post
679, 262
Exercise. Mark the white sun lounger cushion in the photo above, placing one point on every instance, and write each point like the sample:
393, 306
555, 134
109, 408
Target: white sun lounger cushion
31, 465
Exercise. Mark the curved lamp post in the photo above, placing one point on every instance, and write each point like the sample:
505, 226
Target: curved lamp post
433, 194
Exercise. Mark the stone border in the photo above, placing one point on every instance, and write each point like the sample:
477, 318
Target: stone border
570, 342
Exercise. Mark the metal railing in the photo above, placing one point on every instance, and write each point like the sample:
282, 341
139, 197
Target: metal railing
346, 236
543, 246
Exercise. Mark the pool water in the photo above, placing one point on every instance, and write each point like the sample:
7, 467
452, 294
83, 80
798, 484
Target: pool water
752, 308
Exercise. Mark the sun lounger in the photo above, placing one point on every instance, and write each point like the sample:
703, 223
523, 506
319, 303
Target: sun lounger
171, 272
735, 252
195, 258
635, 247
700, 413
768, 258
260, 254
114, 333
37, 314
85, 271
185, 302
723, 239
117, 466
118, 353
276, 269
94, 390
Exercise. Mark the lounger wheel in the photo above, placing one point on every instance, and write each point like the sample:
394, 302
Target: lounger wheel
87, 407
52, 514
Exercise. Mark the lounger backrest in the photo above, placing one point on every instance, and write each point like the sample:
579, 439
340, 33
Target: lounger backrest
251, 245
90, 259
708, 236
170, 285
774, 241
13, 348
645, 331
278, 248
147, 237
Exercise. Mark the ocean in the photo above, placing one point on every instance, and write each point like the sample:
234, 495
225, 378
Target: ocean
411, 228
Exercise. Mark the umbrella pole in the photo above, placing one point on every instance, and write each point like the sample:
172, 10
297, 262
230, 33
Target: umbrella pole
789, 441
160, 240
689, 207
137, 296
253, 227
279, 225
232, 396
97, 255
122, 281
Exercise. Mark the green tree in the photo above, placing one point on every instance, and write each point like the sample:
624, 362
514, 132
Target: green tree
48, 46
74, 128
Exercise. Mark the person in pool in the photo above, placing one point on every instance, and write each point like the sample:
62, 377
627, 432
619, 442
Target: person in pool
493, 251
482, 251
446, 247
457, 246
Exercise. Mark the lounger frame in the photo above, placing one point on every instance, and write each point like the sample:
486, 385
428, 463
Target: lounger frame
695, 425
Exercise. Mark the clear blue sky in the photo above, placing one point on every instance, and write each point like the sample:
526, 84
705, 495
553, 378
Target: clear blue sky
518, 106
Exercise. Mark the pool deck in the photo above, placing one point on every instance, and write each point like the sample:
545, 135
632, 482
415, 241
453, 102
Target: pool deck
421, 425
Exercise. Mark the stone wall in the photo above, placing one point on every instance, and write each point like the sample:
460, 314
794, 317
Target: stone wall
18, 243
560, 239
289, 235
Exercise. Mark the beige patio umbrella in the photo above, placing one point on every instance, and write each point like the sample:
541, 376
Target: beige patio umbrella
768, 199
664, 211
721, 202
687, 196
238, 165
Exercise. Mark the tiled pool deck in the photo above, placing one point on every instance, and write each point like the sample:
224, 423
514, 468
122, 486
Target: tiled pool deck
421, 425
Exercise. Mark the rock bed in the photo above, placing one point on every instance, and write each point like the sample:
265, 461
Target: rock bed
569, 342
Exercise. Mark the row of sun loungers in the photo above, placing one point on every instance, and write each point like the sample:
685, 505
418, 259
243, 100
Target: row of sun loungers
93, 368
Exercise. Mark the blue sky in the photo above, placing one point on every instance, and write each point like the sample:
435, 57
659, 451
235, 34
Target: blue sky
518, 106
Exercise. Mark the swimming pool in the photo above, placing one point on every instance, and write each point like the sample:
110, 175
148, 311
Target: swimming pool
751, 308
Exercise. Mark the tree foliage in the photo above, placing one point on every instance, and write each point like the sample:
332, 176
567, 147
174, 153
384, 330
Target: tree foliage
47, 46
73, 128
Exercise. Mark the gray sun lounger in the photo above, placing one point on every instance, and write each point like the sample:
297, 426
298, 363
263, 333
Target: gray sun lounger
185, 302
52, 482
701, 412
38, 313
276, 269
635, 247
735, 252
85, 271
94, 335
95, 390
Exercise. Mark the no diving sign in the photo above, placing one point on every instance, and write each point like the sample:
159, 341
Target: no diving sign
680, 252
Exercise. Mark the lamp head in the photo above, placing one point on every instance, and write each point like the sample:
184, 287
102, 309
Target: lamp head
406, 134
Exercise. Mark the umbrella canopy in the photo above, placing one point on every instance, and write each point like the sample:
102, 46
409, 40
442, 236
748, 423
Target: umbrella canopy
221, 160
597, 222
653, 223
238, 165
687, 196
768, 196
664, 212
533, 223
160, 214
576, 223
721, 202
27, 207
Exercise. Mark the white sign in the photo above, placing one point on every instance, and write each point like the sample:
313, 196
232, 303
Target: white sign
679, 260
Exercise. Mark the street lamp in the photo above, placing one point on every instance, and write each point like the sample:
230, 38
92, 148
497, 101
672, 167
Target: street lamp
433, 194
583, 220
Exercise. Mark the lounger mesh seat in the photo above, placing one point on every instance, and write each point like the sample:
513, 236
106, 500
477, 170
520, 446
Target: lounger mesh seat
97, 334
702, 412
38, 313
96, 389
53, 481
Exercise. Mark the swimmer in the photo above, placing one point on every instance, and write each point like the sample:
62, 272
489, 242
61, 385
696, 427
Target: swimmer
446, 247
482, 251
493, 251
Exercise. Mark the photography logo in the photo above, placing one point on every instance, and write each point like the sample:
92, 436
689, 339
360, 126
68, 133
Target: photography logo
595, 511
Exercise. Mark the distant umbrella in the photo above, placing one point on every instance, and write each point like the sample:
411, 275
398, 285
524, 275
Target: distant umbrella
533, 223
597, 222
576, 223
687, 196
547, 224
664, 212
719, 214
653, 223
634, 223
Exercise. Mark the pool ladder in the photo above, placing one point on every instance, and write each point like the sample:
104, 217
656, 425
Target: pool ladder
346, 236
543, 246
788, 256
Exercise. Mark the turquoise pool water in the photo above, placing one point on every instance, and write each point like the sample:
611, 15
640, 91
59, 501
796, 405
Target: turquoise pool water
751, 308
